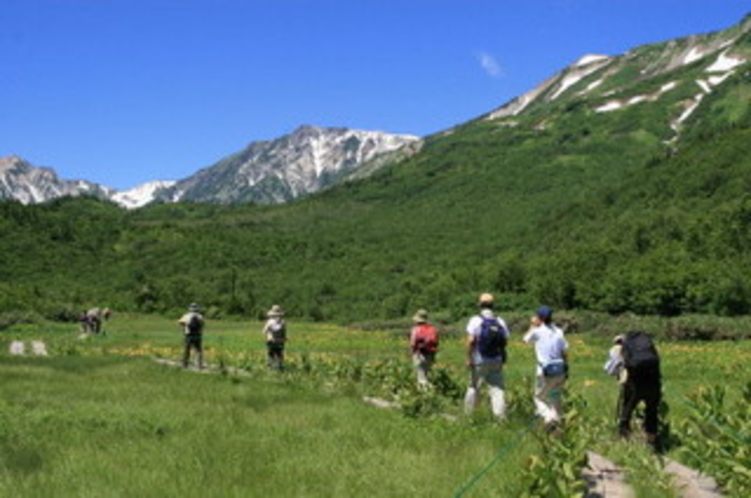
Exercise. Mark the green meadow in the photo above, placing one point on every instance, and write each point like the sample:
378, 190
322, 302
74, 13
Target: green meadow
100, 417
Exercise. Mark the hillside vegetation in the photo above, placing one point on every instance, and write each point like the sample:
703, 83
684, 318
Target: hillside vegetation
616, 212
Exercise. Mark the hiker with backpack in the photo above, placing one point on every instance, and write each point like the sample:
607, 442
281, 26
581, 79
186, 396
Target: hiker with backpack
635, 362
487, 336
552, 366
275, 334
423, 340
91, 321
192, 323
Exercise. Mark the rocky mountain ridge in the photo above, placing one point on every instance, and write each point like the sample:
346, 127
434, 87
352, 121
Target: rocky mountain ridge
303, 162
30, 184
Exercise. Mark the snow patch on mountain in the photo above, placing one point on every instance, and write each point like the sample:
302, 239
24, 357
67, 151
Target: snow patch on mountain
558, 84
725, 63
616, 104
693, 55
141, 195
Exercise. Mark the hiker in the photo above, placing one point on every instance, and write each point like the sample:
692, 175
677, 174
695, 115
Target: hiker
193, 323
91, 321
552, 366
423, 340
487, 336
634, 361
275, 333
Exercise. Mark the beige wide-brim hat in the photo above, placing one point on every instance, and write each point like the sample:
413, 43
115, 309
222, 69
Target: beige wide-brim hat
275, 311
421, 316
485, 298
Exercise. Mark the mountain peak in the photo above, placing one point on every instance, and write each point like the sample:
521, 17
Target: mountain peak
309, 159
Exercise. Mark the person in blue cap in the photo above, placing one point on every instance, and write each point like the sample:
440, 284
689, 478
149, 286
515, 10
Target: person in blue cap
551, 371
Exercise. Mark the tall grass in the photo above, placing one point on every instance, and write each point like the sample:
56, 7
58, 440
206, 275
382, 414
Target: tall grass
112, 426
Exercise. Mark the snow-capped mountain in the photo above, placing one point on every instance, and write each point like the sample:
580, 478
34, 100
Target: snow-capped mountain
142, 194
29, 184
273, 171
306, 161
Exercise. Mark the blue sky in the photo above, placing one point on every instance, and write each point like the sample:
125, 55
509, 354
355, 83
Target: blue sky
121, 92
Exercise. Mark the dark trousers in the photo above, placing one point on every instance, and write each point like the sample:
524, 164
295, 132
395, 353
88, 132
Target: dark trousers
646, 389
275, 352
193, 342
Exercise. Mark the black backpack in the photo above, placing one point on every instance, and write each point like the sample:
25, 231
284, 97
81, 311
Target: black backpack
492, 341
195, 324
639, 354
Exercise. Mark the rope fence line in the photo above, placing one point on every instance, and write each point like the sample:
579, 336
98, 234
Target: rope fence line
502, 452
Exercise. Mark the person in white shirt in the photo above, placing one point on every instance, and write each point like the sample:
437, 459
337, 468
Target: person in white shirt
487, 336
552, 367
275, 334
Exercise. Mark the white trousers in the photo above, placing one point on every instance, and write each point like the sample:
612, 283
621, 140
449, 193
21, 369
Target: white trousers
548, 397
492, 375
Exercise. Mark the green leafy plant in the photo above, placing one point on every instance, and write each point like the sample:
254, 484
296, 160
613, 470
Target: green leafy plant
716, 438
556, 470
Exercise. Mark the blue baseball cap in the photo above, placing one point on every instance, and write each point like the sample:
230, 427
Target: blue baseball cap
545, 312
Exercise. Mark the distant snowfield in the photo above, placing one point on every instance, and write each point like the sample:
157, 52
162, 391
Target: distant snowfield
141, 195
724, 64
717, 72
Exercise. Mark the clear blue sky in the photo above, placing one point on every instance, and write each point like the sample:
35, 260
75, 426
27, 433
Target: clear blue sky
121, 92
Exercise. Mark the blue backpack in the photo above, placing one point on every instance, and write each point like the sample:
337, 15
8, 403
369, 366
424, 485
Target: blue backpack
492, 340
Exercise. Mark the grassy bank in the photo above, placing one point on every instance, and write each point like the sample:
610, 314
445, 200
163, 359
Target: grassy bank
113, 426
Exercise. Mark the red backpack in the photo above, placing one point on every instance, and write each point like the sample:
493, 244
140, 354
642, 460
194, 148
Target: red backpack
426, 338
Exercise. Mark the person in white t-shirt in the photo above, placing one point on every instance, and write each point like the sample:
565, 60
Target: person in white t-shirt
487, 336
552, 367
275, 334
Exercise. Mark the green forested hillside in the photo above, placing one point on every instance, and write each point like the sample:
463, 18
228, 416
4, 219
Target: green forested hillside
650, 236
611, 211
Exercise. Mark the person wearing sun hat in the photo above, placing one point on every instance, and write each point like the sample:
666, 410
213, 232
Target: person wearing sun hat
192, 323
551, 370
634, 361
275, 334
423, 340
487, 335
614, 366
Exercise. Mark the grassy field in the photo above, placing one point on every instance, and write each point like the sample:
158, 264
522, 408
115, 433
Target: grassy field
100, 418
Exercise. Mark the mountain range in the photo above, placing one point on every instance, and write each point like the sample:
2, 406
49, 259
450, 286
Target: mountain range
682, 72
265, 172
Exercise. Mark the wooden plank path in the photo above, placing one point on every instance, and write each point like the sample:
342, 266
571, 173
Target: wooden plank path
605, 479
691, 483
